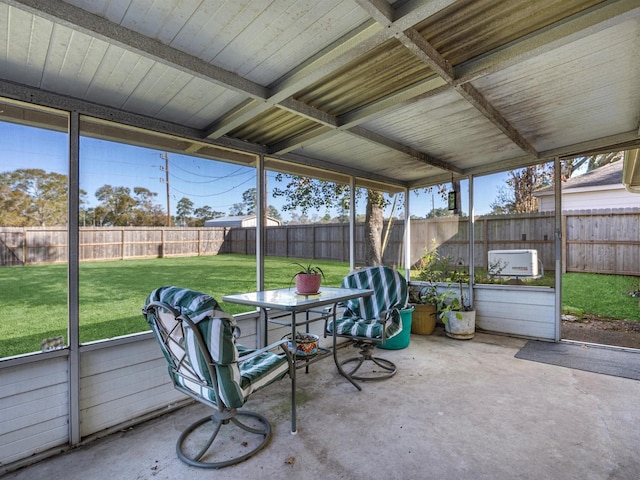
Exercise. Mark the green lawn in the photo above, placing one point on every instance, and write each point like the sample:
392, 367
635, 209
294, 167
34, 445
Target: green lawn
34, 298
603, 295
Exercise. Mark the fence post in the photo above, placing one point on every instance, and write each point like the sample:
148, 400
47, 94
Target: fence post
485, 249
563, 248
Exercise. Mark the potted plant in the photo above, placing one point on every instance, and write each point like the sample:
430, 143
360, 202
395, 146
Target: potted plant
308, 279
423, 298
458, 316
432, 269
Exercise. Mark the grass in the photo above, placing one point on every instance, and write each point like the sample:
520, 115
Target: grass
112, 293
34, 297
602, 295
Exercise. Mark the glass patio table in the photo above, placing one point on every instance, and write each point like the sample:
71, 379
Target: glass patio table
298, 309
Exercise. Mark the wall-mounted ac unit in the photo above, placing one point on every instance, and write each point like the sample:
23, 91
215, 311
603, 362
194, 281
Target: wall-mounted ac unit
513, 263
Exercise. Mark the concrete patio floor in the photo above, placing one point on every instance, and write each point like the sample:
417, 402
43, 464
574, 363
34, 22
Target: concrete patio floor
455, 410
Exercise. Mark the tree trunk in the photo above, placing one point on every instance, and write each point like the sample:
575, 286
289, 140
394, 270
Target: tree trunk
373, 229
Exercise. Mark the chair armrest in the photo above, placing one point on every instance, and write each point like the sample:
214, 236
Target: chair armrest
280, 343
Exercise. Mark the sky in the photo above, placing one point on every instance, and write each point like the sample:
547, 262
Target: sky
217, 184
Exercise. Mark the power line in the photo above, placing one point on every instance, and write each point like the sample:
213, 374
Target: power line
239, 171
213, 194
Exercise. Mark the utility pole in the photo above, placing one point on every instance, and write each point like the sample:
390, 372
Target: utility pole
165, 157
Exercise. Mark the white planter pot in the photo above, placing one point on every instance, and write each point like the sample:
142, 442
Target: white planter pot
460, 325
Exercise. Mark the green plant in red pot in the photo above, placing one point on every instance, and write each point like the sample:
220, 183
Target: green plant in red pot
308, 279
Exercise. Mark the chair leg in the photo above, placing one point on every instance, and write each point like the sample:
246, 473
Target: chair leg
388, 368
224, 456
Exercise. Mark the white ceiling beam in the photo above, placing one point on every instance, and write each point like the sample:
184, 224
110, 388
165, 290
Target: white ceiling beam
613, 143
80, 20
475, 98
36, 96
380, 10
300, 141
353, 119
326, 165
399, 99
392, 144
307, 111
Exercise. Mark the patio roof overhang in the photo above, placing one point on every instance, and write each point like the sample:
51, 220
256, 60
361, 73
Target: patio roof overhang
405, 94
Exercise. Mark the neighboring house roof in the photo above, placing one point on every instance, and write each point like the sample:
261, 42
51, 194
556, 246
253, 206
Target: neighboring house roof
608, 175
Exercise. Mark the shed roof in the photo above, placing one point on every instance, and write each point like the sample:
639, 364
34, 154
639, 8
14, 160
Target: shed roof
236, 221
407, 93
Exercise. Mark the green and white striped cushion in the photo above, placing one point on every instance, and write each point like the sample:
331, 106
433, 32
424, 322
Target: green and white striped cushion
361, 315
237, 379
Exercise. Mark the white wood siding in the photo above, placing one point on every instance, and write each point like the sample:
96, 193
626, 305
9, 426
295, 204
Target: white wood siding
521, 311
34, 406
590, 199
123, 380
120, 383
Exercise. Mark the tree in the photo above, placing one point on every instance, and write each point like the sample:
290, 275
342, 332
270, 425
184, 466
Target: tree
33, 197
118, 207
184, 209
517, 195
311, 194
273, 213
373, 228
249, 199
147, 212
439, 212
205, 213
249, 204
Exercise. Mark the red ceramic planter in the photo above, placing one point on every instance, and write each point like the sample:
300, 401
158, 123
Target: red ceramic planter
308, 283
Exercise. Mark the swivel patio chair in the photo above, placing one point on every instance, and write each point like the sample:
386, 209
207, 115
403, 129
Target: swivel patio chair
370, 321
198, 340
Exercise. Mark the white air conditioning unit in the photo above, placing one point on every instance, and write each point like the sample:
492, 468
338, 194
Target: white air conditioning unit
513, 263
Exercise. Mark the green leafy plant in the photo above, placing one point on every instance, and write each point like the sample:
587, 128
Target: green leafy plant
306, 270
449, 301
309, 269
426, 294
433, 267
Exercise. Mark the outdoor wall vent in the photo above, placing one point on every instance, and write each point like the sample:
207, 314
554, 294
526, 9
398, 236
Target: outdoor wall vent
513, 263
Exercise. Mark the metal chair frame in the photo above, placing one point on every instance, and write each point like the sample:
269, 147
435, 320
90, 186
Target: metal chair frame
366, 345
223, 415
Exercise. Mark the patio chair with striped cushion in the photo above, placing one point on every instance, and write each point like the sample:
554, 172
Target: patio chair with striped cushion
198, 340
371, 321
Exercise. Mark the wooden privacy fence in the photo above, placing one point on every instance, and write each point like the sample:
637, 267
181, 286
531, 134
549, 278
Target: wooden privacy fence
34, 245
599, 241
